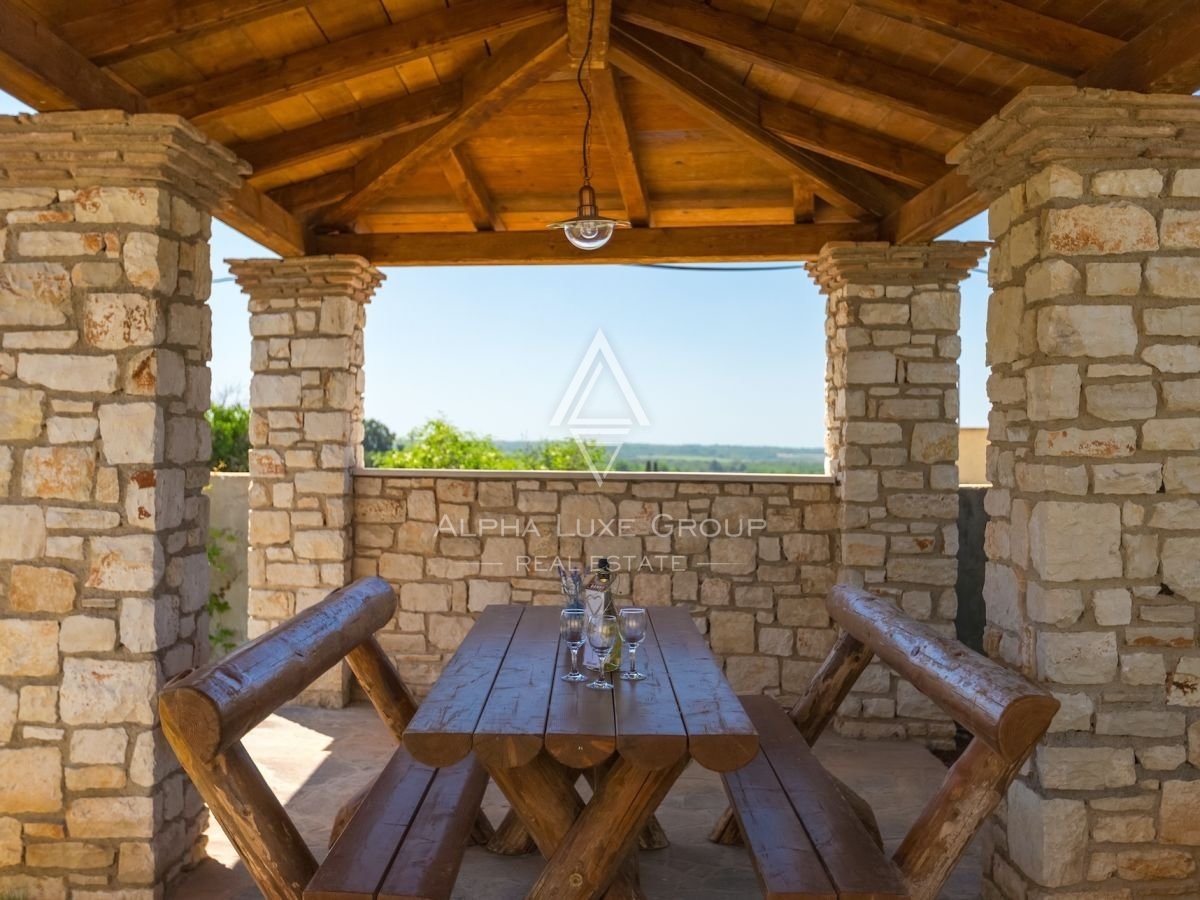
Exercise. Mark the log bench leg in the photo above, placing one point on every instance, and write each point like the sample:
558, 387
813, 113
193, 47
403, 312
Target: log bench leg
511, 837
726, 831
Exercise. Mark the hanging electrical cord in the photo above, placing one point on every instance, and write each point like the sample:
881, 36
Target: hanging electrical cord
587, 97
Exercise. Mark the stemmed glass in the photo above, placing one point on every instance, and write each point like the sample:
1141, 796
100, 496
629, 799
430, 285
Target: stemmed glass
571, 626
602, 636
633, 632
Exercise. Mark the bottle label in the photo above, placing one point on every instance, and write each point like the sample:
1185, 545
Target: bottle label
593, 602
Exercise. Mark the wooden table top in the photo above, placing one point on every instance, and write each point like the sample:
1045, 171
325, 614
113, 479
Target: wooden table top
501, 696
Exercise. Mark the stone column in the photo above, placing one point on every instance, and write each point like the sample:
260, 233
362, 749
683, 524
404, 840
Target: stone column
892, 442
1094, 544
104, 382
306, 317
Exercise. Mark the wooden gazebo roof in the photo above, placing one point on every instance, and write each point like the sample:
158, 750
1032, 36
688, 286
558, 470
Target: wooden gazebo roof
448, 131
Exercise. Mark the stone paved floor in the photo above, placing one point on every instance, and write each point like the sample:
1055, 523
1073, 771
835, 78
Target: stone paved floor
315, 759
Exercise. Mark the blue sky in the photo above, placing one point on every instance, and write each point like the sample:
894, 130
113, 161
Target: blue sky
714, 357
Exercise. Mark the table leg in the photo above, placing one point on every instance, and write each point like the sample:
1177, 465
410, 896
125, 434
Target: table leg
512, 838
653, 836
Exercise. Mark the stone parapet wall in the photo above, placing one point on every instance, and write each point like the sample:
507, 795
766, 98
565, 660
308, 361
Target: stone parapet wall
756, 586
1094, 540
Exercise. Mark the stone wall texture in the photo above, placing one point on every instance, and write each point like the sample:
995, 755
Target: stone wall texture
104, 381
306, 320
1094, 540
892, 439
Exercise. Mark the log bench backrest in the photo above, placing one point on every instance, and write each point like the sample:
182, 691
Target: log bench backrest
1006, 714
205, 714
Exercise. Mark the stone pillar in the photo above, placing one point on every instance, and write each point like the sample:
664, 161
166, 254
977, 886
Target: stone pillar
1093, 574
306, 317
104, 382
892, 442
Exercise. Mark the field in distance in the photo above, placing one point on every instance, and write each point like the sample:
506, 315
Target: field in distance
711, 458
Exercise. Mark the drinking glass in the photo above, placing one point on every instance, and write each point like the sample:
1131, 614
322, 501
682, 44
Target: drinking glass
633, 632
602, 636
571, 626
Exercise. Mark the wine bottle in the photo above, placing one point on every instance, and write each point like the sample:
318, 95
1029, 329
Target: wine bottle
597, 600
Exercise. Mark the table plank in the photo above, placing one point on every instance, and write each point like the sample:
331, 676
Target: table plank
721, 736
442, 731
512, 729
650, 730
357, 864
580, 729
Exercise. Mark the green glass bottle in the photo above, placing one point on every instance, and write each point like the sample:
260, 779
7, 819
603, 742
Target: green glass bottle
597, 599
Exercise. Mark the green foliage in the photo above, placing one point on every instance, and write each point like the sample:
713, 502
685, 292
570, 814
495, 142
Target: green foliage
440, 445
220, 542
377, 439
230, 424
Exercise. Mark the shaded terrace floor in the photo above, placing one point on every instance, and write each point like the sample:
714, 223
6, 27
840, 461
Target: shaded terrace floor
315, 759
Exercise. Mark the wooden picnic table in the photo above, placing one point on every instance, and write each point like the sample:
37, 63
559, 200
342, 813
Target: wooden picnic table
502, 697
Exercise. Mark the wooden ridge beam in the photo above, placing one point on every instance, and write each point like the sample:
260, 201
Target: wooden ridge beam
143, 26
766, 243
865, 149
393, 116
618, 134
1005, 28
579, 19
710, 94
44, 71
1164, 58
270, 80
487, 89
793, 54
470, 190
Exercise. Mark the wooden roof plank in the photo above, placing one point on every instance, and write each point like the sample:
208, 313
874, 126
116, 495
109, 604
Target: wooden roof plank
487, 89
811, 60
1005, 28
265, 81
1165, 57
393, 116
580, 21
763, 243
706, 92
472, 193
866, 149
144, 26
618, 134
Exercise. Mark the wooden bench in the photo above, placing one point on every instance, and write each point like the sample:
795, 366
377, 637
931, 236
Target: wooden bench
807, 835
413, 824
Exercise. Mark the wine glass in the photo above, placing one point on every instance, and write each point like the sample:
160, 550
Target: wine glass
633, 632
602, 636
571, 626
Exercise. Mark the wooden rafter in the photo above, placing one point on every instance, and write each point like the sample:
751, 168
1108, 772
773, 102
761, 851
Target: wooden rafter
442, 29
487, 89
708, 93
640, 245
148, 25
618, 134
579, 20
866, 149
947, 202
395, 115
1163, 58
793, 54
47, 73
1008, 29
470, 190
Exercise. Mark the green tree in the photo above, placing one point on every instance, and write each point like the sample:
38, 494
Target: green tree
438, 444
230, 425
560, 456
377, 439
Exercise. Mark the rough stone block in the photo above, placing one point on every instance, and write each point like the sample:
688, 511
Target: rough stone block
107, 691
1077, 657
31, 780
1047, 839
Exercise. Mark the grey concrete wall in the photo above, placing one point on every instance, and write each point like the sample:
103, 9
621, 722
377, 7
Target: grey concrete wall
229, 505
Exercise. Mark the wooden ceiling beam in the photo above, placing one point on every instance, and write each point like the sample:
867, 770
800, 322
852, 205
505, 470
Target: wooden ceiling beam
580, 21
793, 54
946, 203
739, 243
618, 134
143, 26
395, 115
267, 81
470, 190
1005, 28
710, 94
487, 89
41, 69
865, 149
1164, 58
